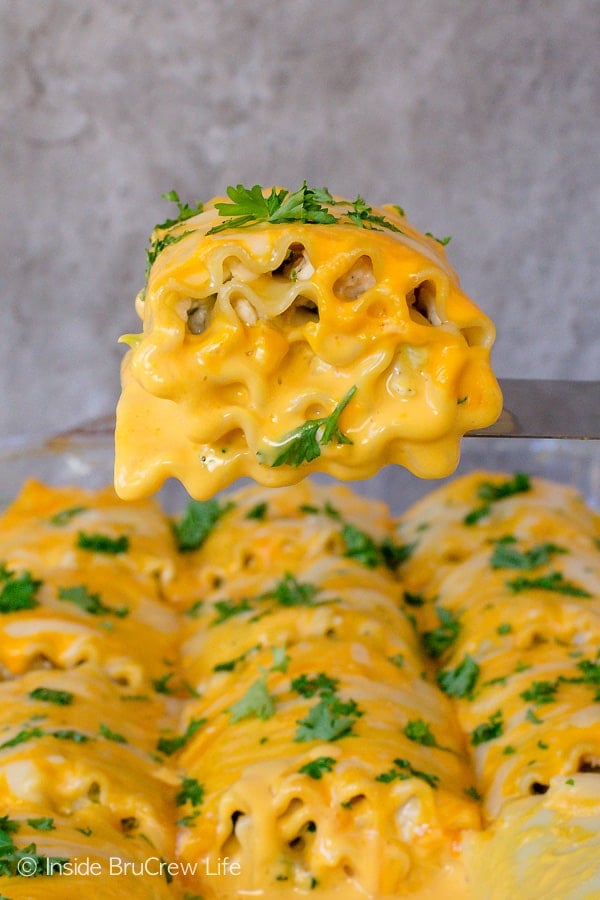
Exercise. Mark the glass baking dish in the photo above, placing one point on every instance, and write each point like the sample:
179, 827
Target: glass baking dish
84, 457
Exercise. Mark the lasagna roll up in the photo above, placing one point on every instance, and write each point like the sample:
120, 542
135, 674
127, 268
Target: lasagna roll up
316, 731
508, 570
330, 337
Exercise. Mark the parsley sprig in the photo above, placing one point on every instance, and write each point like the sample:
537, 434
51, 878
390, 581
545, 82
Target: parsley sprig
303, 444
250, 206
17, 592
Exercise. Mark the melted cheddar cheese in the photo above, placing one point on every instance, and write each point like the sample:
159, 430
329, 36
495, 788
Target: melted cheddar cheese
287, 693
277, 349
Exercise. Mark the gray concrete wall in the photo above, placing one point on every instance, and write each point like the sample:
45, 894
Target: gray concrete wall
480, 118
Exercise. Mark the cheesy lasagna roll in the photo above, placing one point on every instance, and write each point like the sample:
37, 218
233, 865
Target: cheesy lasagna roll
285, 333
507, 570
327, 756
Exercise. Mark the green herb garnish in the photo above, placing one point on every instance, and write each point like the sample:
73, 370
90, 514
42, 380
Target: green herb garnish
507, 556
17, 592
541, 692
303, 444
489, 493
329, 720
111, 735
309, 685
459, 682
258, 512
90, 603
290, 592
256, 702
64, 516
437, 641
103, 543
225, 609
185, 210
191, 791
44, 823
169, 746
489, 730
49, 695
554, 581
404, 770
316, 767
198, 520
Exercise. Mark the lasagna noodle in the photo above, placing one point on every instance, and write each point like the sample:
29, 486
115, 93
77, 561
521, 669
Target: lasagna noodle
250, 333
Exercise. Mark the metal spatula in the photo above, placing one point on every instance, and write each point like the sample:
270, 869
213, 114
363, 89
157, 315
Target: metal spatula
536, 408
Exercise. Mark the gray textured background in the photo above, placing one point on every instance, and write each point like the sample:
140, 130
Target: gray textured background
480, 118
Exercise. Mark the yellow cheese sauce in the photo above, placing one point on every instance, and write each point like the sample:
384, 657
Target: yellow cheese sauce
277, 349
287, 693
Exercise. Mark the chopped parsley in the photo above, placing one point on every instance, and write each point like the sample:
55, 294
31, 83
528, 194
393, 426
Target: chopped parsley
191, 791
70, 734
158, 244
161, 685
198, 520
256, 702
44, 823
444, 241
554, 581
26, 734
403, 770
25, 861
49, 695
473, 793
303, 444
413, 599
258, 512
507, 556
437, 641
360, 546
308, 685
17, 592
169, 746
316, 767
110, 735
531, 717
329, 720
490, 493
90, 603
250, 206
461, 681
102, 543
64, 516
489, 730
281, 660
541, 692
225, 609
290, 592
397, 659
185, 210
418, 730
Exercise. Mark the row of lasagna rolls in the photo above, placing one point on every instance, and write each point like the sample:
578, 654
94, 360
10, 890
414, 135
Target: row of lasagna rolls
80, 713
507, 575
329, 757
